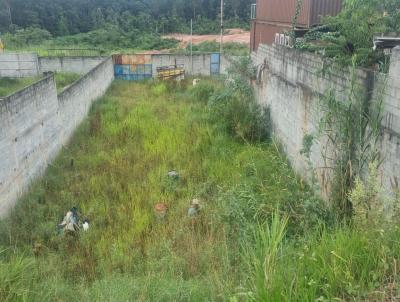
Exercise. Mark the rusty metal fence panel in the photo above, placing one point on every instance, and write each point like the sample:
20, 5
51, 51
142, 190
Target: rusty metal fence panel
132, 67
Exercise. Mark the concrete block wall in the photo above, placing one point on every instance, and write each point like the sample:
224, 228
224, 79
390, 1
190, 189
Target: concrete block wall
79, 65
226, 62
389, 88
35, 123
18, 65
76, 100
28, 137
201, 63
291, 84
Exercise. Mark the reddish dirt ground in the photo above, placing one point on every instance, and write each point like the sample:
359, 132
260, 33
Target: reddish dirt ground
231, 35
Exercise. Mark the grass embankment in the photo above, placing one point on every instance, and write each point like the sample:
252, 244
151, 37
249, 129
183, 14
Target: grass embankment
115, 170
11, 85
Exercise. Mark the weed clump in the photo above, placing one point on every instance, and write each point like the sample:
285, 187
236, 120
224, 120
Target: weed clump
233, 107
203, 91
16, 277
235, 111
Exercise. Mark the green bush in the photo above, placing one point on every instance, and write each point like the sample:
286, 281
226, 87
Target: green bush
26, 37
203, 91
114, 37
108, 37
348, 36
236, 110
233, 107
230, 48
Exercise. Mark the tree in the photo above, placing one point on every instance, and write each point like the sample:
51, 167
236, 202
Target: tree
349, 35
61, 17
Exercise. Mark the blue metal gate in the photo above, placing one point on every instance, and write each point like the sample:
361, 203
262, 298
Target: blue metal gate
215, 63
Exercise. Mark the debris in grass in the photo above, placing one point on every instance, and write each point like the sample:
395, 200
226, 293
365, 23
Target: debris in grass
161, 210
173, 174
194, 208
38, 249
70, 223
85, 225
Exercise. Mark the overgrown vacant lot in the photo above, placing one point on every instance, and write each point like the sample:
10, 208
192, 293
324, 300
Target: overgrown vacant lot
261, 235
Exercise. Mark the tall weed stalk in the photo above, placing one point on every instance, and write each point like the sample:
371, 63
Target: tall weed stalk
262, 258
351, 130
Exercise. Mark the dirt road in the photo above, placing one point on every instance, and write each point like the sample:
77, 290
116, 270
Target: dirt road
232, 35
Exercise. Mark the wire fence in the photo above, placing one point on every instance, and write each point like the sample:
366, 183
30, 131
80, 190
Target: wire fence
71, 52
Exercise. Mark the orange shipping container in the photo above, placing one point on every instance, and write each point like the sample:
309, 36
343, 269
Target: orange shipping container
276, 16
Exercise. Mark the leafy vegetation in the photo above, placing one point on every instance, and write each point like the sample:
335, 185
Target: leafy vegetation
25, 37
235, 107
71, 17
349, 35
127, 25
106, 40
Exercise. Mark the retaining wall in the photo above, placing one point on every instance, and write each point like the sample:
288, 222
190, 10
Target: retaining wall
35, 123
17, 65
291, 84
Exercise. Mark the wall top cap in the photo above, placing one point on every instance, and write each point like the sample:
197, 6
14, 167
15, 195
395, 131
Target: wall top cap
396, 49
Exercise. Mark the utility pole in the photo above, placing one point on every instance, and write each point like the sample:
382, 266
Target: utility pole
191, 45
7, 2
221, 47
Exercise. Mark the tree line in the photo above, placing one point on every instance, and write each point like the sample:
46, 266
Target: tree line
69, 17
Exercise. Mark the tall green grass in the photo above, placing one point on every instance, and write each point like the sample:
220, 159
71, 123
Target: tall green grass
261, 235
11, 85
64, 79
